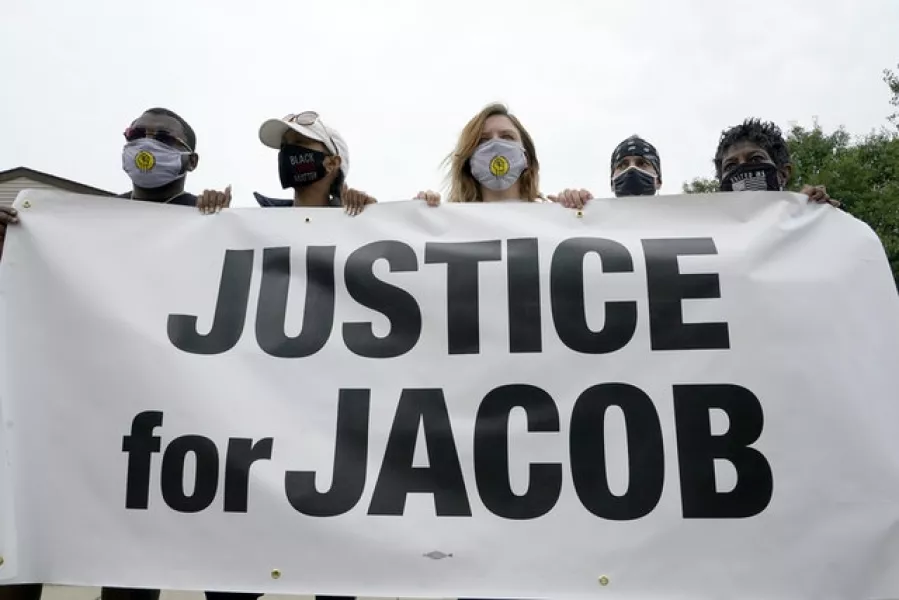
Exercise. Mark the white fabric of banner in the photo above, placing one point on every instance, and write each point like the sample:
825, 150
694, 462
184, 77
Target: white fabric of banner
655, 398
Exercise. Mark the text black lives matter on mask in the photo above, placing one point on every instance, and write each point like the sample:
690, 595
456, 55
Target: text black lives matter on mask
425, 409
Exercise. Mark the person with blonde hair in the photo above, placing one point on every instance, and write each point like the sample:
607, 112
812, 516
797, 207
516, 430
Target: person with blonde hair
495, 159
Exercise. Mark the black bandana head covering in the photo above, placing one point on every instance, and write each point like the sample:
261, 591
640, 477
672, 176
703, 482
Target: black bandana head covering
637, 146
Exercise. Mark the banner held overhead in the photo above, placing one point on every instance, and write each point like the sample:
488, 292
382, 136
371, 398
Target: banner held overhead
668, 397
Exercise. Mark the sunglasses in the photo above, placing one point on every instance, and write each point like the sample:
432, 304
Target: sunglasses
308, 119
160, 135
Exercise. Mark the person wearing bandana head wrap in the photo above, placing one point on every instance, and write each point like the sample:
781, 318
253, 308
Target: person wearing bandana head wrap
754, 156
636, 170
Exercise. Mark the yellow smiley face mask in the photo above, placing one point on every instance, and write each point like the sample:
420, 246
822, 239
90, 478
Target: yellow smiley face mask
497, 164
151, 164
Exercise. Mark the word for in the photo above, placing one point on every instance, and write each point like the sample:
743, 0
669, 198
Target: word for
667, 288
425, 410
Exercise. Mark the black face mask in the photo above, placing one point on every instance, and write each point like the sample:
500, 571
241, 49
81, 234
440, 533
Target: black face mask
751, 178
634, 182
298, 166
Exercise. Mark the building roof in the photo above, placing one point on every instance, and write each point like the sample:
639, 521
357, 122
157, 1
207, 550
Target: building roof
52, 180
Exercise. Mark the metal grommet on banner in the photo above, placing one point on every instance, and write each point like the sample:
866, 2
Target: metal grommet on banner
307, 219
603, 581
26, 204
1, 561
276, 573
580, 214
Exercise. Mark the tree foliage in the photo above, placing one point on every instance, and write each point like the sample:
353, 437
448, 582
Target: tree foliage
701, 185
861, 172
892, 80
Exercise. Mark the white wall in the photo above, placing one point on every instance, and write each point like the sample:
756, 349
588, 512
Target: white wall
10, 189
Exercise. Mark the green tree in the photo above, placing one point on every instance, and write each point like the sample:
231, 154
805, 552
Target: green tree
861, 172
701, 185
892, 80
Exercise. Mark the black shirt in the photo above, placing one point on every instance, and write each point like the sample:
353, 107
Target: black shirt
266, 202
183, 199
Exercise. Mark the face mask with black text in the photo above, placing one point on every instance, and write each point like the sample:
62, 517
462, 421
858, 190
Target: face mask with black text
299, 166
758, 177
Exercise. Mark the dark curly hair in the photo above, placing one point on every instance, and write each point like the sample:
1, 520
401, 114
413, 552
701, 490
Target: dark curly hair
766, 134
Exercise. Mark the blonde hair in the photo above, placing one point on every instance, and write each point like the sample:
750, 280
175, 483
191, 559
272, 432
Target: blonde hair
463, 186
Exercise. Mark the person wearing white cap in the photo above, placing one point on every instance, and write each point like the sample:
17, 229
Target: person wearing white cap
314, 161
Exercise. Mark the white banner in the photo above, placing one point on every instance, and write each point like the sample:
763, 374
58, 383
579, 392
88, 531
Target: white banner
681, 397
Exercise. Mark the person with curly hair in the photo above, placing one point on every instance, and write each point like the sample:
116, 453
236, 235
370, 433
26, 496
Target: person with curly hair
754, 156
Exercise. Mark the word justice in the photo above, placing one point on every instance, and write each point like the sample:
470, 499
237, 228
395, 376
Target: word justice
667, 288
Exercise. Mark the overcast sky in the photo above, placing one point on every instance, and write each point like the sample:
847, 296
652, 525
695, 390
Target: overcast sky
399, 79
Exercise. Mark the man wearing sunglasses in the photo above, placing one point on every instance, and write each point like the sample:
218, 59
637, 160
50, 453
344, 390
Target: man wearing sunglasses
313, 161
159, 152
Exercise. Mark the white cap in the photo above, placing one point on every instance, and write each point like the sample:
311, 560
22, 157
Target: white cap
310, 125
